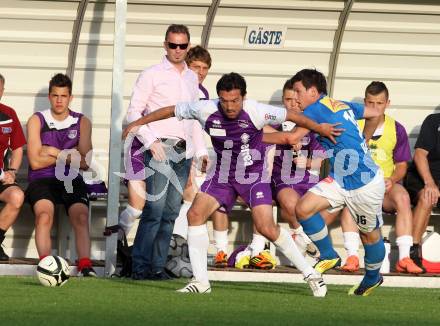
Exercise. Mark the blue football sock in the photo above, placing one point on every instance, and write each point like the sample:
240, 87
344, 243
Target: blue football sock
374, 255
317, 231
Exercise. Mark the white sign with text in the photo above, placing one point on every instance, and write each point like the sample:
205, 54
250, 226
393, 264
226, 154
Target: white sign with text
265, 36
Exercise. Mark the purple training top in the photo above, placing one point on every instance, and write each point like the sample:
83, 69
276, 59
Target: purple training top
203, 93
402, 151
60, 134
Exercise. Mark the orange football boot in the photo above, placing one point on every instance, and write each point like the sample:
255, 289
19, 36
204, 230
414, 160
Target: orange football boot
351, 264
407, 265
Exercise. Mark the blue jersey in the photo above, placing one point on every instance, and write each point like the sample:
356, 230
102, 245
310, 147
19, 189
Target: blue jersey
351, 164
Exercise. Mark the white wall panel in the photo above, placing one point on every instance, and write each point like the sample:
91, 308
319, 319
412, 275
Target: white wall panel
393, 6
285, 4
230, 16
399, 45
308, 43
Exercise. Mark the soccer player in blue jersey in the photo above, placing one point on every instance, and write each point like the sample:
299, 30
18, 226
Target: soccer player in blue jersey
354, 180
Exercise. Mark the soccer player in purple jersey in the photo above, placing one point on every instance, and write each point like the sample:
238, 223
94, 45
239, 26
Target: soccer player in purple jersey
292, 176
235, 126
198, 60
50, 132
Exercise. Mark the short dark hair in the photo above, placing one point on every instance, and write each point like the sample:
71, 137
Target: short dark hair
179, 29
198, 53
375, 88
310, 78
2, 78
60, 80
231, 81
288, 85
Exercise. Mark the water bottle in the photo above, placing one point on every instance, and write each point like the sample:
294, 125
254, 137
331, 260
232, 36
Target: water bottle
385, 268
211, 260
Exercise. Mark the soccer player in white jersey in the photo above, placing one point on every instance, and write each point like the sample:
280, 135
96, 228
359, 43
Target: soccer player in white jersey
354, 181
235, 126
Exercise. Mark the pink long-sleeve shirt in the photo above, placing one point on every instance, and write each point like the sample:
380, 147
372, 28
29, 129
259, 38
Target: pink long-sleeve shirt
163, 85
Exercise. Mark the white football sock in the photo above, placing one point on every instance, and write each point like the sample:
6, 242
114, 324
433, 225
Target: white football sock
221, 240
289, 249
127, 218
181, 222
404, 242
198, 242
351, 243
300, 231
257, 245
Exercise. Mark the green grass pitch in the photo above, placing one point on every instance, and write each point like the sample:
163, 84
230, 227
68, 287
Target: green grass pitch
86, 302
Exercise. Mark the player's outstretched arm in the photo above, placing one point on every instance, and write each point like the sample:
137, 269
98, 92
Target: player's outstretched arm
372, 120
160, 114
277, 138
324, 129
285, 137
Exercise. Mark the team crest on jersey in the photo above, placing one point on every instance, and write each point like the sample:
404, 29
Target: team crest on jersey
333, 105
217, 124
72, 134
243, 123
244, 138
6, 130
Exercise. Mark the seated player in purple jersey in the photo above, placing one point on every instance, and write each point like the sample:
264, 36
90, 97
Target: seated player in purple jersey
11, 138
390, 150
235, 126
58, 141
291, 181
198, 60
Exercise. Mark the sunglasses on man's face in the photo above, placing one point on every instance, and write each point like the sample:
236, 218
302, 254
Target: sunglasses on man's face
174, 46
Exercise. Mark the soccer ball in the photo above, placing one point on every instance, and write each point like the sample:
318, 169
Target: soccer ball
180, 266
176, 244
53, 271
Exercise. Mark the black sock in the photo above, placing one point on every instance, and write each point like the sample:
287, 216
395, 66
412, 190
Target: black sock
415, 250
2, 235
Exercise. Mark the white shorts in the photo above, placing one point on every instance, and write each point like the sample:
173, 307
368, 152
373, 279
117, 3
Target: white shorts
364, 204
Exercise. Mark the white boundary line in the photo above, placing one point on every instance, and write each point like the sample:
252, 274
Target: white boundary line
390, 281
30, 270
264, 277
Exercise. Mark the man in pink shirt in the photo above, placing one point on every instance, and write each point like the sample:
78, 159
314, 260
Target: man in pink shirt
170, 145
